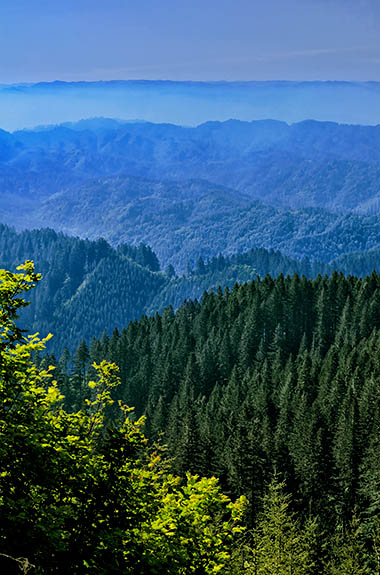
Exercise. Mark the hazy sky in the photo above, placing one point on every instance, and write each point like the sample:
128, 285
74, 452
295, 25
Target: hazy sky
189, 40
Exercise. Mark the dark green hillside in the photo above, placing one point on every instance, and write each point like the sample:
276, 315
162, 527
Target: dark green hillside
360, 264
227, 271
275, 376
272, 386
87, 286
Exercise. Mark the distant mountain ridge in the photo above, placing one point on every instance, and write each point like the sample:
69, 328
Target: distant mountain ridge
308, 164
189, 103
185, 220
308, 189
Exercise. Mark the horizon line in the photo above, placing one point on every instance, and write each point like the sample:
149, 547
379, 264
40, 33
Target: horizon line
188, 81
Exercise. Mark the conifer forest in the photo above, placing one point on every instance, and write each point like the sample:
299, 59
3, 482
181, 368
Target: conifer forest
190, 287
214, 414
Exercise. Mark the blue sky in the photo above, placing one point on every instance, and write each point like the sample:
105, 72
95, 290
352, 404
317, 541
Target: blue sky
44, 40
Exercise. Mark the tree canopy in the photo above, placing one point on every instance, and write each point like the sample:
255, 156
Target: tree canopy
79, 494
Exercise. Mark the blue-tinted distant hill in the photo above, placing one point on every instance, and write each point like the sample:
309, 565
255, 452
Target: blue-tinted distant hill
308, 164
189, 103
185, 220
309, 189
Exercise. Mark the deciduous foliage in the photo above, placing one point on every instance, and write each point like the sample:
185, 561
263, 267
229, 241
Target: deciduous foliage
80, 495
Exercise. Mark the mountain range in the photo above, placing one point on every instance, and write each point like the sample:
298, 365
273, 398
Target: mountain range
308, 189
214, 265
209, 203
188, 103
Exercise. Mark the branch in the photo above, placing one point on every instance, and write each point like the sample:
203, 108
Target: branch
23, 562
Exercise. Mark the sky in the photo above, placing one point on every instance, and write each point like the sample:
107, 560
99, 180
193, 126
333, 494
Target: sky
71, 40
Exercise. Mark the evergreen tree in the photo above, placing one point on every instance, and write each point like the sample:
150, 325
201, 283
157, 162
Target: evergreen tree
280, 544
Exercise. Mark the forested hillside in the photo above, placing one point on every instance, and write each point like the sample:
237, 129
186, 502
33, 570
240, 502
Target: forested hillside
307, 164
309, 189
81, 489
89, 287
187, 220
275, 377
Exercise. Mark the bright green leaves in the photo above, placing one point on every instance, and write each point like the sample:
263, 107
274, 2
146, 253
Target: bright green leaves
78, 495
194, 528
12, 285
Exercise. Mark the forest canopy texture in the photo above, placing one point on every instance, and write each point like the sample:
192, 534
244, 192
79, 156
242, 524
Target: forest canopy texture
271, 386
81, 495
275, 378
